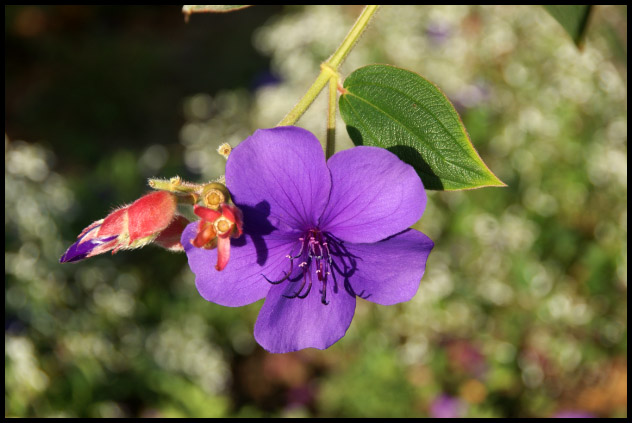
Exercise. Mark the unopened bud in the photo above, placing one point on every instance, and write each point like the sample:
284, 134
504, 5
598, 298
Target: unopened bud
132, 226
225, 150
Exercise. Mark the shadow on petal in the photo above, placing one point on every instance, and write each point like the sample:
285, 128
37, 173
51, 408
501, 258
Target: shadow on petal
407, 155
256, 225
344, 264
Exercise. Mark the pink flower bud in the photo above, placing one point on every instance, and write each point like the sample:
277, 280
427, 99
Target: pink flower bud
150, 218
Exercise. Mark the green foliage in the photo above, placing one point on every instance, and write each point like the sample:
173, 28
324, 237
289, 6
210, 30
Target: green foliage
346, 393
399, 110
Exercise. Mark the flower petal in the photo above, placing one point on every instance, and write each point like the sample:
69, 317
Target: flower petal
389, 271
291, 324
223, 252
284, 167
205, 213
81, 250
374, 195
241, 282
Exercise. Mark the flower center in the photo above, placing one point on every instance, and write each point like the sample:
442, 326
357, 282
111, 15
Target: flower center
214, 194
222, 225
314, 249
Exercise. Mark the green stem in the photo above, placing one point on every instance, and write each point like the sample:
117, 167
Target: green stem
352, 37
307, 100
332, 64
175, 184
331, 117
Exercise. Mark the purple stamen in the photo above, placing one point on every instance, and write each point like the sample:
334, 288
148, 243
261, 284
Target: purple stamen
312, 249
297, 294
323, 298
287, 274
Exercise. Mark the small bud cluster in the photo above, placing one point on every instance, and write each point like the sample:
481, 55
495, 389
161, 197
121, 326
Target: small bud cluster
220, 220
153, 218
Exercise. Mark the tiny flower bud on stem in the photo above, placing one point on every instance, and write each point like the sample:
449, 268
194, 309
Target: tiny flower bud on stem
154, 218
224, 150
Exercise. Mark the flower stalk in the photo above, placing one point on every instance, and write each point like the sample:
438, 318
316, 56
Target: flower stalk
352, 37
331, 64
330, 147
175, 185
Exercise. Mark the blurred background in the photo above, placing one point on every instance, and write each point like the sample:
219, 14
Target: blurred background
522, 311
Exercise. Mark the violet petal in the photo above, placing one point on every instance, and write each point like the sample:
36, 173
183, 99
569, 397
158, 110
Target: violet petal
241, 282
291, 324
374, 195
80, 250
285, 168
389, 271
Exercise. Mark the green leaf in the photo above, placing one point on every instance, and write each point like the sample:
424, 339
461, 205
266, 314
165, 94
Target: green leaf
210, 8
574, 19
397, 109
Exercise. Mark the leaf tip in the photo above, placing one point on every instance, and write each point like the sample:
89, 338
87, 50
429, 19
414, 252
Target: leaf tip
495, 180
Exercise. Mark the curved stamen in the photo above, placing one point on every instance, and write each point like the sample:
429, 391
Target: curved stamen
287, 274
314, 244
323, 298
318, 248
309, 287
327, 253
297, 294
300, 252
299, 290
319, 270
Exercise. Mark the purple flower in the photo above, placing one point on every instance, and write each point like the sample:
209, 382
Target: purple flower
447, 407
316, 235
572, 414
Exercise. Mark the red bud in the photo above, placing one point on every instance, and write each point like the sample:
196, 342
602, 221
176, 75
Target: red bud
150, 218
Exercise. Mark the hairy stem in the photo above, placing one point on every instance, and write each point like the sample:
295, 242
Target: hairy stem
352, 37
331, 64
331, 117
